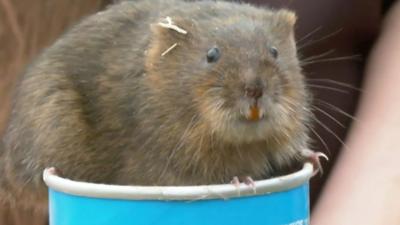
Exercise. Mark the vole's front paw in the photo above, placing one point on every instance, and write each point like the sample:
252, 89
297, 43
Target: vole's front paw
314, 157
54, 171
245, 179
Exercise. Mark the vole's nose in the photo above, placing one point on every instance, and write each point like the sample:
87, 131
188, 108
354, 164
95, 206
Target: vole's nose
253, 91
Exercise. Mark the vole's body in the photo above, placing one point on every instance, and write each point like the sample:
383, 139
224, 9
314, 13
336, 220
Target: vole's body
102, 104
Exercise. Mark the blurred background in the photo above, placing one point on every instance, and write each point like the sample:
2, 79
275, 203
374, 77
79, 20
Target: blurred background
26, 27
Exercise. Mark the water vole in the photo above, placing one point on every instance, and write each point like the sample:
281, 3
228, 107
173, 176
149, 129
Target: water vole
123, 99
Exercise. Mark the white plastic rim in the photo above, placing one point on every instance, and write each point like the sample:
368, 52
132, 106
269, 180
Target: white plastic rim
220, 191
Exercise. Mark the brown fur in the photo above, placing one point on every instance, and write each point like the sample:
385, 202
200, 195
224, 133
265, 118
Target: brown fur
102, 104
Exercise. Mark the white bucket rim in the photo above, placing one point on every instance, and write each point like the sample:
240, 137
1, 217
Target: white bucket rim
219, 191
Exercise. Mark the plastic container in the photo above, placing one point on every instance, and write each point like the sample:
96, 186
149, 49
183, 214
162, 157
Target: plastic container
278, 201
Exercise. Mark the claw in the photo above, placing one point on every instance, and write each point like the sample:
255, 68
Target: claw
52, 171
247, 180
313, 157
250, 182
235, 181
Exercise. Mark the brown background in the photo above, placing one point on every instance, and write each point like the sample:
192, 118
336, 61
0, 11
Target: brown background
27, 26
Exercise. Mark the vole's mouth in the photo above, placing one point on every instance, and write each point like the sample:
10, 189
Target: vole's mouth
255, 113
252, 113
244, 123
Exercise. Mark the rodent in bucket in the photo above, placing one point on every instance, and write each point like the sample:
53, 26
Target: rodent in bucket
161, 93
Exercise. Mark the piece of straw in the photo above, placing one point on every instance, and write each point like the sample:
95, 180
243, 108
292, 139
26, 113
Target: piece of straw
170, 25
169, 49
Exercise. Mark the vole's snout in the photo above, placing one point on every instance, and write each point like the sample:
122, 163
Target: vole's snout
252, 108
253, 91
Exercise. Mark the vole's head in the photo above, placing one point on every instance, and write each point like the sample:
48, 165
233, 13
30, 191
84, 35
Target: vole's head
236, 67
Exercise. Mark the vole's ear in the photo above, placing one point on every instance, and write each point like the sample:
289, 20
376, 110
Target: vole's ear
287, 16
283, 22
169, 35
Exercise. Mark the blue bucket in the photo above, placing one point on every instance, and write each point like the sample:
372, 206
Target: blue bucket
278, 201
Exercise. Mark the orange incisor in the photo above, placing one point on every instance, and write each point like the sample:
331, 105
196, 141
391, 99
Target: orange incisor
254, 113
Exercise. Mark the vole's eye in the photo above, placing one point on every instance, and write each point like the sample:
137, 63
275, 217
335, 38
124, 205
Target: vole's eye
213, 54
274, 52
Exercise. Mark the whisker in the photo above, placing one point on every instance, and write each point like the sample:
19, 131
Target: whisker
328, 115
314, 57
320, 39
342, 58
334, 82
239, 151
179, 144
308, 35
214, 89
320, 139
335, 108
331, 132
327, 88
194, 157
